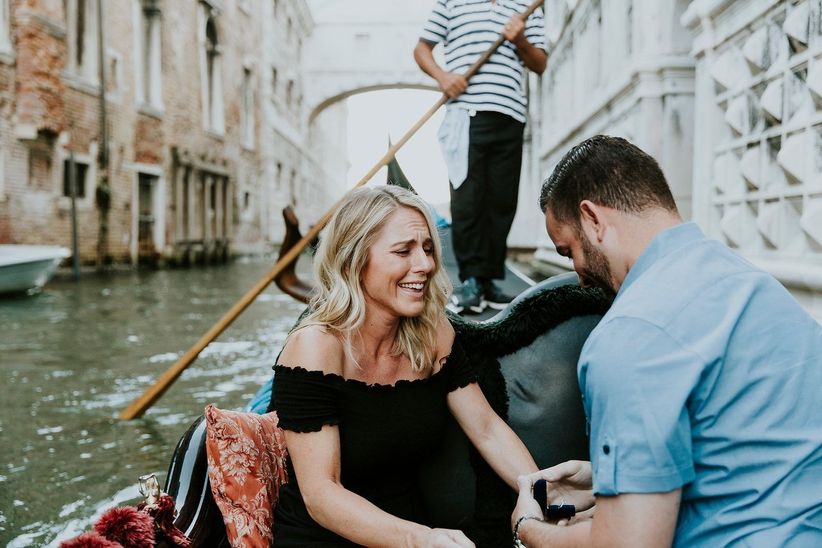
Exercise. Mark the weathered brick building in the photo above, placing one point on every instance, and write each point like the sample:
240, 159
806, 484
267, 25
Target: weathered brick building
200, 140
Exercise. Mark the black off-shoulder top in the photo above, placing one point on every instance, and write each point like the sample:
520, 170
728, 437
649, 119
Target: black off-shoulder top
385, 432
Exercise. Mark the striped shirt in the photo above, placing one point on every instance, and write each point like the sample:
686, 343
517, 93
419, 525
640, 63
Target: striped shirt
467, 28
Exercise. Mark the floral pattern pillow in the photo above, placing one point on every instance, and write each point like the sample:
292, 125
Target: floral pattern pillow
246, 466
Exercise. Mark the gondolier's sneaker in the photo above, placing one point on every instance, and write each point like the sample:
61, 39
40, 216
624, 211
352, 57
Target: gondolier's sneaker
495, 297
467, 298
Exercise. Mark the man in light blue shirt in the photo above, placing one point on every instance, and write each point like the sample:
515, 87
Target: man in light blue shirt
701, 384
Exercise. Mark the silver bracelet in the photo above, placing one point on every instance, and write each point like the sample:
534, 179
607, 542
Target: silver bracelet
517, 541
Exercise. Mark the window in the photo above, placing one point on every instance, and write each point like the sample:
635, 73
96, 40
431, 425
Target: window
212, 73
81, 24
148, 58
80, 173
248, 109
276, 6
5, 33
40, 168
273, 84
289, 31
149, 217
279, 180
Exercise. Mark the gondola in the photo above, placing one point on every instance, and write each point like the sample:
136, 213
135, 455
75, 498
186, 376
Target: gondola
526, 356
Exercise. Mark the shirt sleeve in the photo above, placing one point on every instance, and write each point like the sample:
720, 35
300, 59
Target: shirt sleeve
458, 368
436, 27
305, 400
636, 381
535, 29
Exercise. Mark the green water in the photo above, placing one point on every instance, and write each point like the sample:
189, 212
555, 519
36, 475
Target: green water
73, 356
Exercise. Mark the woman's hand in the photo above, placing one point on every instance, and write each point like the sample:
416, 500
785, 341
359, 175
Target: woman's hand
447, 538
527, 506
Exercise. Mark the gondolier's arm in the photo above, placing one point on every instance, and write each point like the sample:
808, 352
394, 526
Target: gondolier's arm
450, 83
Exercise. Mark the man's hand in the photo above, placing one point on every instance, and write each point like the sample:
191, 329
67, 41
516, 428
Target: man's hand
570, 482
534, 58
452, 84
514, 30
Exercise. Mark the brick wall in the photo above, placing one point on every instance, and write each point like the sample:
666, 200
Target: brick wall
47, 110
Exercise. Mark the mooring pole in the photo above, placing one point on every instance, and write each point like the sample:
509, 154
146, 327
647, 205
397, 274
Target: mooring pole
75, 251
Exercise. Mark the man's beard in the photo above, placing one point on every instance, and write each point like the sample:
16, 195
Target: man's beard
597, 271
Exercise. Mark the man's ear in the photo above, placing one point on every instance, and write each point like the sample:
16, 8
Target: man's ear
591, 218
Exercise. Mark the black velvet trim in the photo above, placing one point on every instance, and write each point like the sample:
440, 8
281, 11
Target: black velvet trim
520, 325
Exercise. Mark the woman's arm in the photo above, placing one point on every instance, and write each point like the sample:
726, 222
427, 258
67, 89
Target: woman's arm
316, 460
492, 437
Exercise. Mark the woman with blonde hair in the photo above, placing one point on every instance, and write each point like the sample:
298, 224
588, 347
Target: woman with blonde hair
364, 385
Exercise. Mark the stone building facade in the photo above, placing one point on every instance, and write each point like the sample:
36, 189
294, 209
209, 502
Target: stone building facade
205, 138
725, 94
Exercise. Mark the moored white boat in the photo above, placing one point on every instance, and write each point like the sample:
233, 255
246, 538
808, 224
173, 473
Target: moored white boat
24, 267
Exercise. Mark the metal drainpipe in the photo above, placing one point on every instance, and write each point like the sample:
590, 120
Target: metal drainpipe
102, 156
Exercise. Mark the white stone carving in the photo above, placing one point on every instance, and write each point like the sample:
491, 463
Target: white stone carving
798, 101
773, 176
728, 177
799, 155
751, 166
738, 224
775, 217
811, 221
771, 101
766, 47
730, 69
740, 115
796, 26
756, 50
778, 222
815, 81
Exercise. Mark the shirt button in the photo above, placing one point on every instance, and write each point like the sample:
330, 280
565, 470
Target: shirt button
606, 449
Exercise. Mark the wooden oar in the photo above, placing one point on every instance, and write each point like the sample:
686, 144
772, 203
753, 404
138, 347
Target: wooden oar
153, 393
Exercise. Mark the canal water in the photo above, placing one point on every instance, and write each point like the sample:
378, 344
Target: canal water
73, 356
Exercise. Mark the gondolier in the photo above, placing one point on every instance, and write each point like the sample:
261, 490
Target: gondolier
483, 130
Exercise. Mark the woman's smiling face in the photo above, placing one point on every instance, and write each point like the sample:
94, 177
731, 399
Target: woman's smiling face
400, 263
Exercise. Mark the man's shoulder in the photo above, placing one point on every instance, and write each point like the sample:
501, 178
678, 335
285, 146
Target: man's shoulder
685, 278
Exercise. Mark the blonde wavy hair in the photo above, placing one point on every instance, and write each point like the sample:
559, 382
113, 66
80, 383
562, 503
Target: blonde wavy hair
339, 301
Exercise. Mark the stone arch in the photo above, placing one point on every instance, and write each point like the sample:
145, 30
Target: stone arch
326, 102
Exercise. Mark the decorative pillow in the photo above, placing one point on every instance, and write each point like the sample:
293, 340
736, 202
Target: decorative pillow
246, 466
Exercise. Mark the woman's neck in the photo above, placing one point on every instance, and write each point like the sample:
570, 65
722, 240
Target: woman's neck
376, 336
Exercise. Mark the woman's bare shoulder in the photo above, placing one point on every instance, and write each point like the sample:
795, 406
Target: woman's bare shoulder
315, 348
445, 339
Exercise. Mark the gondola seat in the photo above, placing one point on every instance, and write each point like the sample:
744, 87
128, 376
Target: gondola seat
526, 357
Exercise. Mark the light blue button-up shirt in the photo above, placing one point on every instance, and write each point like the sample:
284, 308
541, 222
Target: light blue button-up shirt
706, 375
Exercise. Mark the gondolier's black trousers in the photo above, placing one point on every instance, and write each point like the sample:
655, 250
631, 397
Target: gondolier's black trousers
483, 207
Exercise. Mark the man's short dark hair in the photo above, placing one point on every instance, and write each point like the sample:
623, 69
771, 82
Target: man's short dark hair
609, 171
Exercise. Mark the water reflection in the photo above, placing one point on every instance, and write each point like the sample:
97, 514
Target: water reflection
75, 355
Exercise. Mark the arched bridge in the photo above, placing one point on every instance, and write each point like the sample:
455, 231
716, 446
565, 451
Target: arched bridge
362, 45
